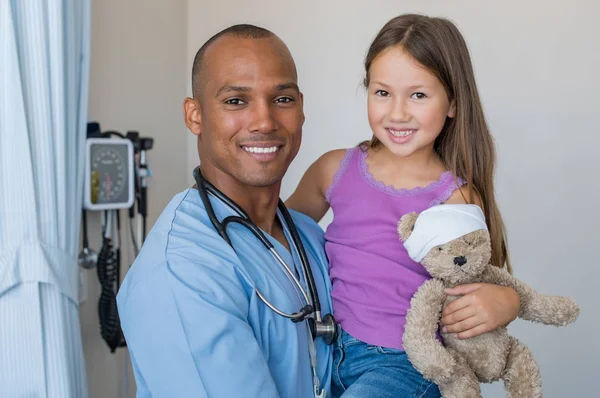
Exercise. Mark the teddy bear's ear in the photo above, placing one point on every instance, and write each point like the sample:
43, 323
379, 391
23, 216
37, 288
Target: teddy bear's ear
406, 225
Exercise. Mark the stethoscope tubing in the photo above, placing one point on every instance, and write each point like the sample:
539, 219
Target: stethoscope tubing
313, 306
316, 326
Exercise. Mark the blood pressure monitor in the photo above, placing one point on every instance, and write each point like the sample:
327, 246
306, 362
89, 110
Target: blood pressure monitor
109, 174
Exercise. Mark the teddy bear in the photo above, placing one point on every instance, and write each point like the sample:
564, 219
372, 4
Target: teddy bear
452, 242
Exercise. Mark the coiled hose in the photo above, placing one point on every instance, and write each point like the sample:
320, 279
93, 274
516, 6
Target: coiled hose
108, 269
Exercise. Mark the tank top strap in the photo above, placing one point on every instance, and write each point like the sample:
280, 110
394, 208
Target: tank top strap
350, 157
447, 185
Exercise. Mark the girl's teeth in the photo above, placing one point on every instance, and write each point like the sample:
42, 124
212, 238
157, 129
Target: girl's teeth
252, 149
401, 133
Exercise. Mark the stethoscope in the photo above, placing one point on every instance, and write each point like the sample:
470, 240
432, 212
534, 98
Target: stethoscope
324, 327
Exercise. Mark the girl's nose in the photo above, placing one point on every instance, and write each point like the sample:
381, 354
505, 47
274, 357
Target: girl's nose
399, 113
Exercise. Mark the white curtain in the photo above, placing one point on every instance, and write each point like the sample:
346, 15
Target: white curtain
44, 66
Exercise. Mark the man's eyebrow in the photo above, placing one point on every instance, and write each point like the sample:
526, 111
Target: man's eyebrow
286, 86
228, 88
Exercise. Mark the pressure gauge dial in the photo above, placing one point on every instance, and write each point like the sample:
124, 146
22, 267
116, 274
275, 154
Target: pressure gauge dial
109, 174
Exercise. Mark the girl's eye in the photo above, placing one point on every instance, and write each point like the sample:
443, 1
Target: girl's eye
382, 93
284, 100
418, 96
234, 101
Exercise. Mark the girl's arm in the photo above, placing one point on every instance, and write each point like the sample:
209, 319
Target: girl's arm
309, 196
483, 307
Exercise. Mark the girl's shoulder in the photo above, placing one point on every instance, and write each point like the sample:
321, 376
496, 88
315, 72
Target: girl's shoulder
329, 163
465, 195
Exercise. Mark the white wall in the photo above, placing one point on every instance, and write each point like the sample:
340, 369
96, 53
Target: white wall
137, 82
536, 63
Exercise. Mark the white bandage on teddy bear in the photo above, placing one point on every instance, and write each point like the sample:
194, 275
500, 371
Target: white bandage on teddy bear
441, 224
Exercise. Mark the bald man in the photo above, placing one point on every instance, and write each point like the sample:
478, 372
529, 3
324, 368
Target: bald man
189, 306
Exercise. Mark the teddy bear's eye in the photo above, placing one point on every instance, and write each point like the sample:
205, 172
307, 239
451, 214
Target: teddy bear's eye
440, 249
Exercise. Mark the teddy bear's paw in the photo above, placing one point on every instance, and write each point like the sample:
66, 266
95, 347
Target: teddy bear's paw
551, 310
570, 311
461, 388
522, 377
565, 310
463, 383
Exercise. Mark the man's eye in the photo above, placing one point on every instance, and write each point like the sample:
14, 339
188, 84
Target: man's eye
284, 100
234, 101
418, 96
382, 93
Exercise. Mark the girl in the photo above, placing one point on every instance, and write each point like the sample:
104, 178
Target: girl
430, 145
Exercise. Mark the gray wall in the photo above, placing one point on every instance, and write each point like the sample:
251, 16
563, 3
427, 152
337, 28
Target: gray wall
536, 64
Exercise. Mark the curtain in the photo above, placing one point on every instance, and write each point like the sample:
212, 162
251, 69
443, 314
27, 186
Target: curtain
44, 67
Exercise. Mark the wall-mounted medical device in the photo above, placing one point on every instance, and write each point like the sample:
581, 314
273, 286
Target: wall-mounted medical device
109, 174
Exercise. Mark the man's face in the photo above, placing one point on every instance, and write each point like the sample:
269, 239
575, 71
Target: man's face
251, 114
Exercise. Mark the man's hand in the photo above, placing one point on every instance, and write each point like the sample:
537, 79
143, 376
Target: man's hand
483, 307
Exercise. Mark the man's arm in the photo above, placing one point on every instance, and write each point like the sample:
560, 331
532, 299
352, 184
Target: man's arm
309, 197
188, 336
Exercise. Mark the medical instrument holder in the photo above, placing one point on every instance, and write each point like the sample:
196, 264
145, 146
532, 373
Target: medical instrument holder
108, 263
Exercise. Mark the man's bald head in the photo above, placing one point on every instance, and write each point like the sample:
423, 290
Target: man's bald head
242, 31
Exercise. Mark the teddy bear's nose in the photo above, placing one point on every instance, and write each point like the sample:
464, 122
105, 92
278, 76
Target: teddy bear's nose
460, 260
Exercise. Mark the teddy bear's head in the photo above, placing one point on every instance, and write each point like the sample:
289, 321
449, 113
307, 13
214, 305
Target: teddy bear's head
451, 245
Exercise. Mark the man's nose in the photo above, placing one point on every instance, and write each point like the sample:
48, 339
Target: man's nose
460, 260
263, 119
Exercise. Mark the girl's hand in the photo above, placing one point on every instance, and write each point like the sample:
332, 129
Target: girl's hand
483, 307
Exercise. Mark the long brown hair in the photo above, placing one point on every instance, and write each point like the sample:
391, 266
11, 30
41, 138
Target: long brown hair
465, 143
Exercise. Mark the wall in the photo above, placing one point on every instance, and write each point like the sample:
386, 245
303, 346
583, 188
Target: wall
136, 83
536, 66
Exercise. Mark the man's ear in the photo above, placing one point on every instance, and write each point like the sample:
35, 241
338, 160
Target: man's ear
406, 225
192, 115
302, 103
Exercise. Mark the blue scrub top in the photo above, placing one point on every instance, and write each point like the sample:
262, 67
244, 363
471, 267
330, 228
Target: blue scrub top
193, 323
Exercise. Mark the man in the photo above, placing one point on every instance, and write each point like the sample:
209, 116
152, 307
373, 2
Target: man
193, 321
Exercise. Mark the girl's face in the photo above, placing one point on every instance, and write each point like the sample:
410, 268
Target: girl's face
407, 104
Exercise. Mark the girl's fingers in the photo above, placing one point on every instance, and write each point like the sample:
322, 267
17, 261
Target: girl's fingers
458, 316
475, 331
463, 326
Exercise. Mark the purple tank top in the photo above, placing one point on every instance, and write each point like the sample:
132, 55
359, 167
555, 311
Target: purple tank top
373, 277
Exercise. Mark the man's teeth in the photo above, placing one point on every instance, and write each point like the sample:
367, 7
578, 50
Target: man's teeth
255, 149
401, 133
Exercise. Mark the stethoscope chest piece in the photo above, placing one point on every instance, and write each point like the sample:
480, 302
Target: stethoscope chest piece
327, 328
87, 258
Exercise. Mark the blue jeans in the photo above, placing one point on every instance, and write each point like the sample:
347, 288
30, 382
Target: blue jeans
363, 370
